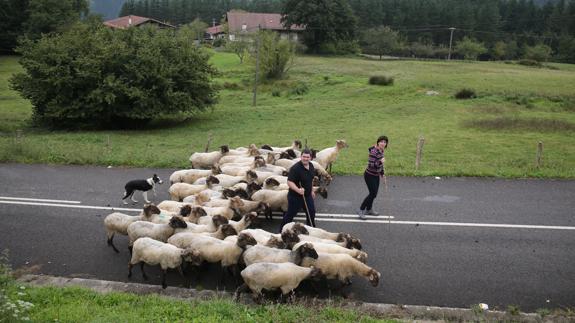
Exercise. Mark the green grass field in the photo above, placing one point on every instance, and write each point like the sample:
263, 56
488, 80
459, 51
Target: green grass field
495, 134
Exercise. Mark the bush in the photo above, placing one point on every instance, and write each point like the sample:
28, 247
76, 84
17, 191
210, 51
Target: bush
276, 93
465, 94
276, 55
470, 48
529, 62
539, 52
299, 88
381, 80
12, 307
231, 86
219, 42
93, 76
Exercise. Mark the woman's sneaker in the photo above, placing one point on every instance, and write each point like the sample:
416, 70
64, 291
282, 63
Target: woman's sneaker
361, 214
370, 212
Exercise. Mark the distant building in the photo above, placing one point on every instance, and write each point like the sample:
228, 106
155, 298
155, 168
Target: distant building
135, 21
215, 32
240, 22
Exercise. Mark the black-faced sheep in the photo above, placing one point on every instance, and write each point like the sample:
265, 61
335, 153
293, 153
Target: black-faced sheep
207, 160
300, 228
191, 175
342, 267
153, 252
260, 253
178, 191
118, 222
160, 232
335, 249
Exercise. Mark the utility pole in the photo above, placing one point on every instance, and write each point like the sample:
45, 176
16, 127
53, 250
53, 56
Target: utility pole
254, 103
450, 40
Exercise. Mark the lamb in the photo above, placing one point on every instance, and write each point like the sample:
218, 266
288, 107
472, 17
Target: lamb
245, 222
191, 175
210, 226
153, 252
335, 249
179, 191
207, 160
160, 232
327, 156
264, 275
300, 228
259, 253
342, 267
212, 249
118, 222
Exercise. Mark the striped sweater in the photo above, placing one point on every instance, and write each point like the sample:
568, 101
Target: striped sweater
374, 164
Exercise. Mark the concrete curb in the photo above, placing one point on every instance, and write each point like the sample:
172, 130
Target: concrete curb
405, 312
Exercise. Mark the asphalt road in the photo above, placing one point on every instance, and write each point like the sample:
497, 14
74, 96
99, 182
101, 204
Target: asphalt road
451, 242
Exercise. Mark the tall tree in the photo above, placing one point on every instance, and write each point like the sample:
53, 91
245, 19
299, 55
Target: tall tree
46, 16
13, 16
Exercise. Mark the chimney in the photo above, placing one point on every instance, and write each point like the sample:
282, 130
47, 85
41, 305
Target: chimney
213, 22
129, 20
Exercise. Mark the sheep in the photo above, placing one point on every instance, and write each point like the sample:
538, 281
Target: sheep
229, 180
241, 170
296, 145
229, 212
191, 175
160, 232
224, 231
327, 156
276, 170
235, 159
346, 243
301, 228
209, 226
153, 252
178, 191
252, 150
332, 248
207, 160
264, 275
262, 176
245, 221
283, 240
259, 253
277, 200
175, 206
342, 267
272, 184
118, 222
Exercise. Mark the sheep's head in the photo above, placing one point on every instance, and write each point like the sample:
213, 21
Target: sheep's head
177, 222
361, 256
315, 181
263, 207
228, 192
250, 218
224, 149
150, 209
253, 150
341, 144
373, 277
297, 144
218, 220
270, 181
285, 155
307, 250
274, 242
299, 228
228, 230
185, 210
202, 198
354, 243
322, 191
198, 211
271, 158
242, 194
245, 239
315, 273
290, 238
313, 153
216, 170
192, 256
267, 147
251, 176
253, 187
236, 203
291, 153
259, 163
211, 180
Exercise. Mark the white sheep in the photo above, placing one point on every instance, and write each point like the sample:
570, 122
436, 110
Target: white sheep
224, 231
229, 180
264, 275
241, 170
277, 200
207, 160
209, 226
191, 175
261, 253
160, 232
178, 191
175, 206
252, 150
300, 228
342, 267
327, 156
286, 239
335, 249
153, 252
118, 222
244, 222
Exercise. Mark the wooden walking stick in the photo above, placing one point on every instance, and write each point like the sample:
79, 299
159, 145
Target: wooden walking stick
308, 216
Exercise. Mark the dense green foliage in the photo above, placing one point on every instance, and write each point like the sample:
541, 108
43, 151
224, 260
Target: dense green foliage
32, 18
276, 55
97, 76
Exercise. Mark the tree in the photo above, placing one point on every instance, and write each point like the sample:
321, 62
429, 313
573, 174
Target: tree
197, 28
470, 48
94, 76
566, 49
511, 50
381, 40
327, 22
13, 15
240, 46
539, 52
275, 54
498, 50
46, 16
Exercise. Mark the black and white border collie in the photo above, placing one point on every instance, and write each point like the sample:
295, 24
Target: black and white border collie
143, 185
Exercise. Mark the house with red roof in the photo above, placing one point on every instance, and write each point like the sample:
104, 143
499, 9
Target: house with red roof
244, 23
135, 21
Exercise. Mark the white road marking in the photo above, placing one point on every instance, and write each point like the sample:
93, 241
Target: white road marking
322, 217
37, 200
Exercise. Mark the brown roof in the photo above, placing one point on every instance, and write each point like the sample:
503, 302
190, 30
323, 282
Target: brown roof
270, 21
215, 30
131, 20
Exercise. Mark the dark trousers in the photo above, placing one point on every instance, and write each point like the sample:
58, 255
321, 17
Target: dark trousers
372, 185
295, 203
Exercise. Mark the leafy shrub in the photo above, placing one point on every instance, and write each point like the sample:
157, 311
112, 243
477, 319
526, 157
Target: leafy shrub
98, 77
275, 54
465, 94
529, 62
12, 308
299, 88
219, 42
276, 93
381, 80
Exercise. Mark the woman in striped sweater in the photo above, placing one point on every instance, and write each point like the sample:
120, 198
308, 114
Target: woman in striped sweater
372, 175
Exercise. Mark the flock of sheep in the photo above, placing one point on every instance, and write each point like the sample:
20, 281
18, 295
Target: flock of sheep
214, 204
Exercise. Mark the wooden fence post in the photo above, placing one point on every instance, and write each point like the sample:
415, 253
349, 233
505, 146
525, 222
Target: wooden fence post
209, 141
419, 152
539, 154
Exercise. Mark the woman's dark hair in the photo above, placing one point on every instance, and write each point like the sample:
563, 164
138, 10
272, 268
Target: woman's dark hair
381, 138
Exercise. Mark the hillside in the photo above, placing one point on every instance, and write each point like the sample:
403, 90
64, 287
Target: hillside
109, 9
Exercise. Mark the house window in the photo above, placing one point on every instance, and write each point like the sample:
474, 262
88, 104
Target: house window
244, 27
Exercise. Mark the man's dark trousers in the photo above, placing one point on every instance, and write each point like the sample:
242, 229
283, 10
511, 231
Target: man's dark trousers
295, 203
